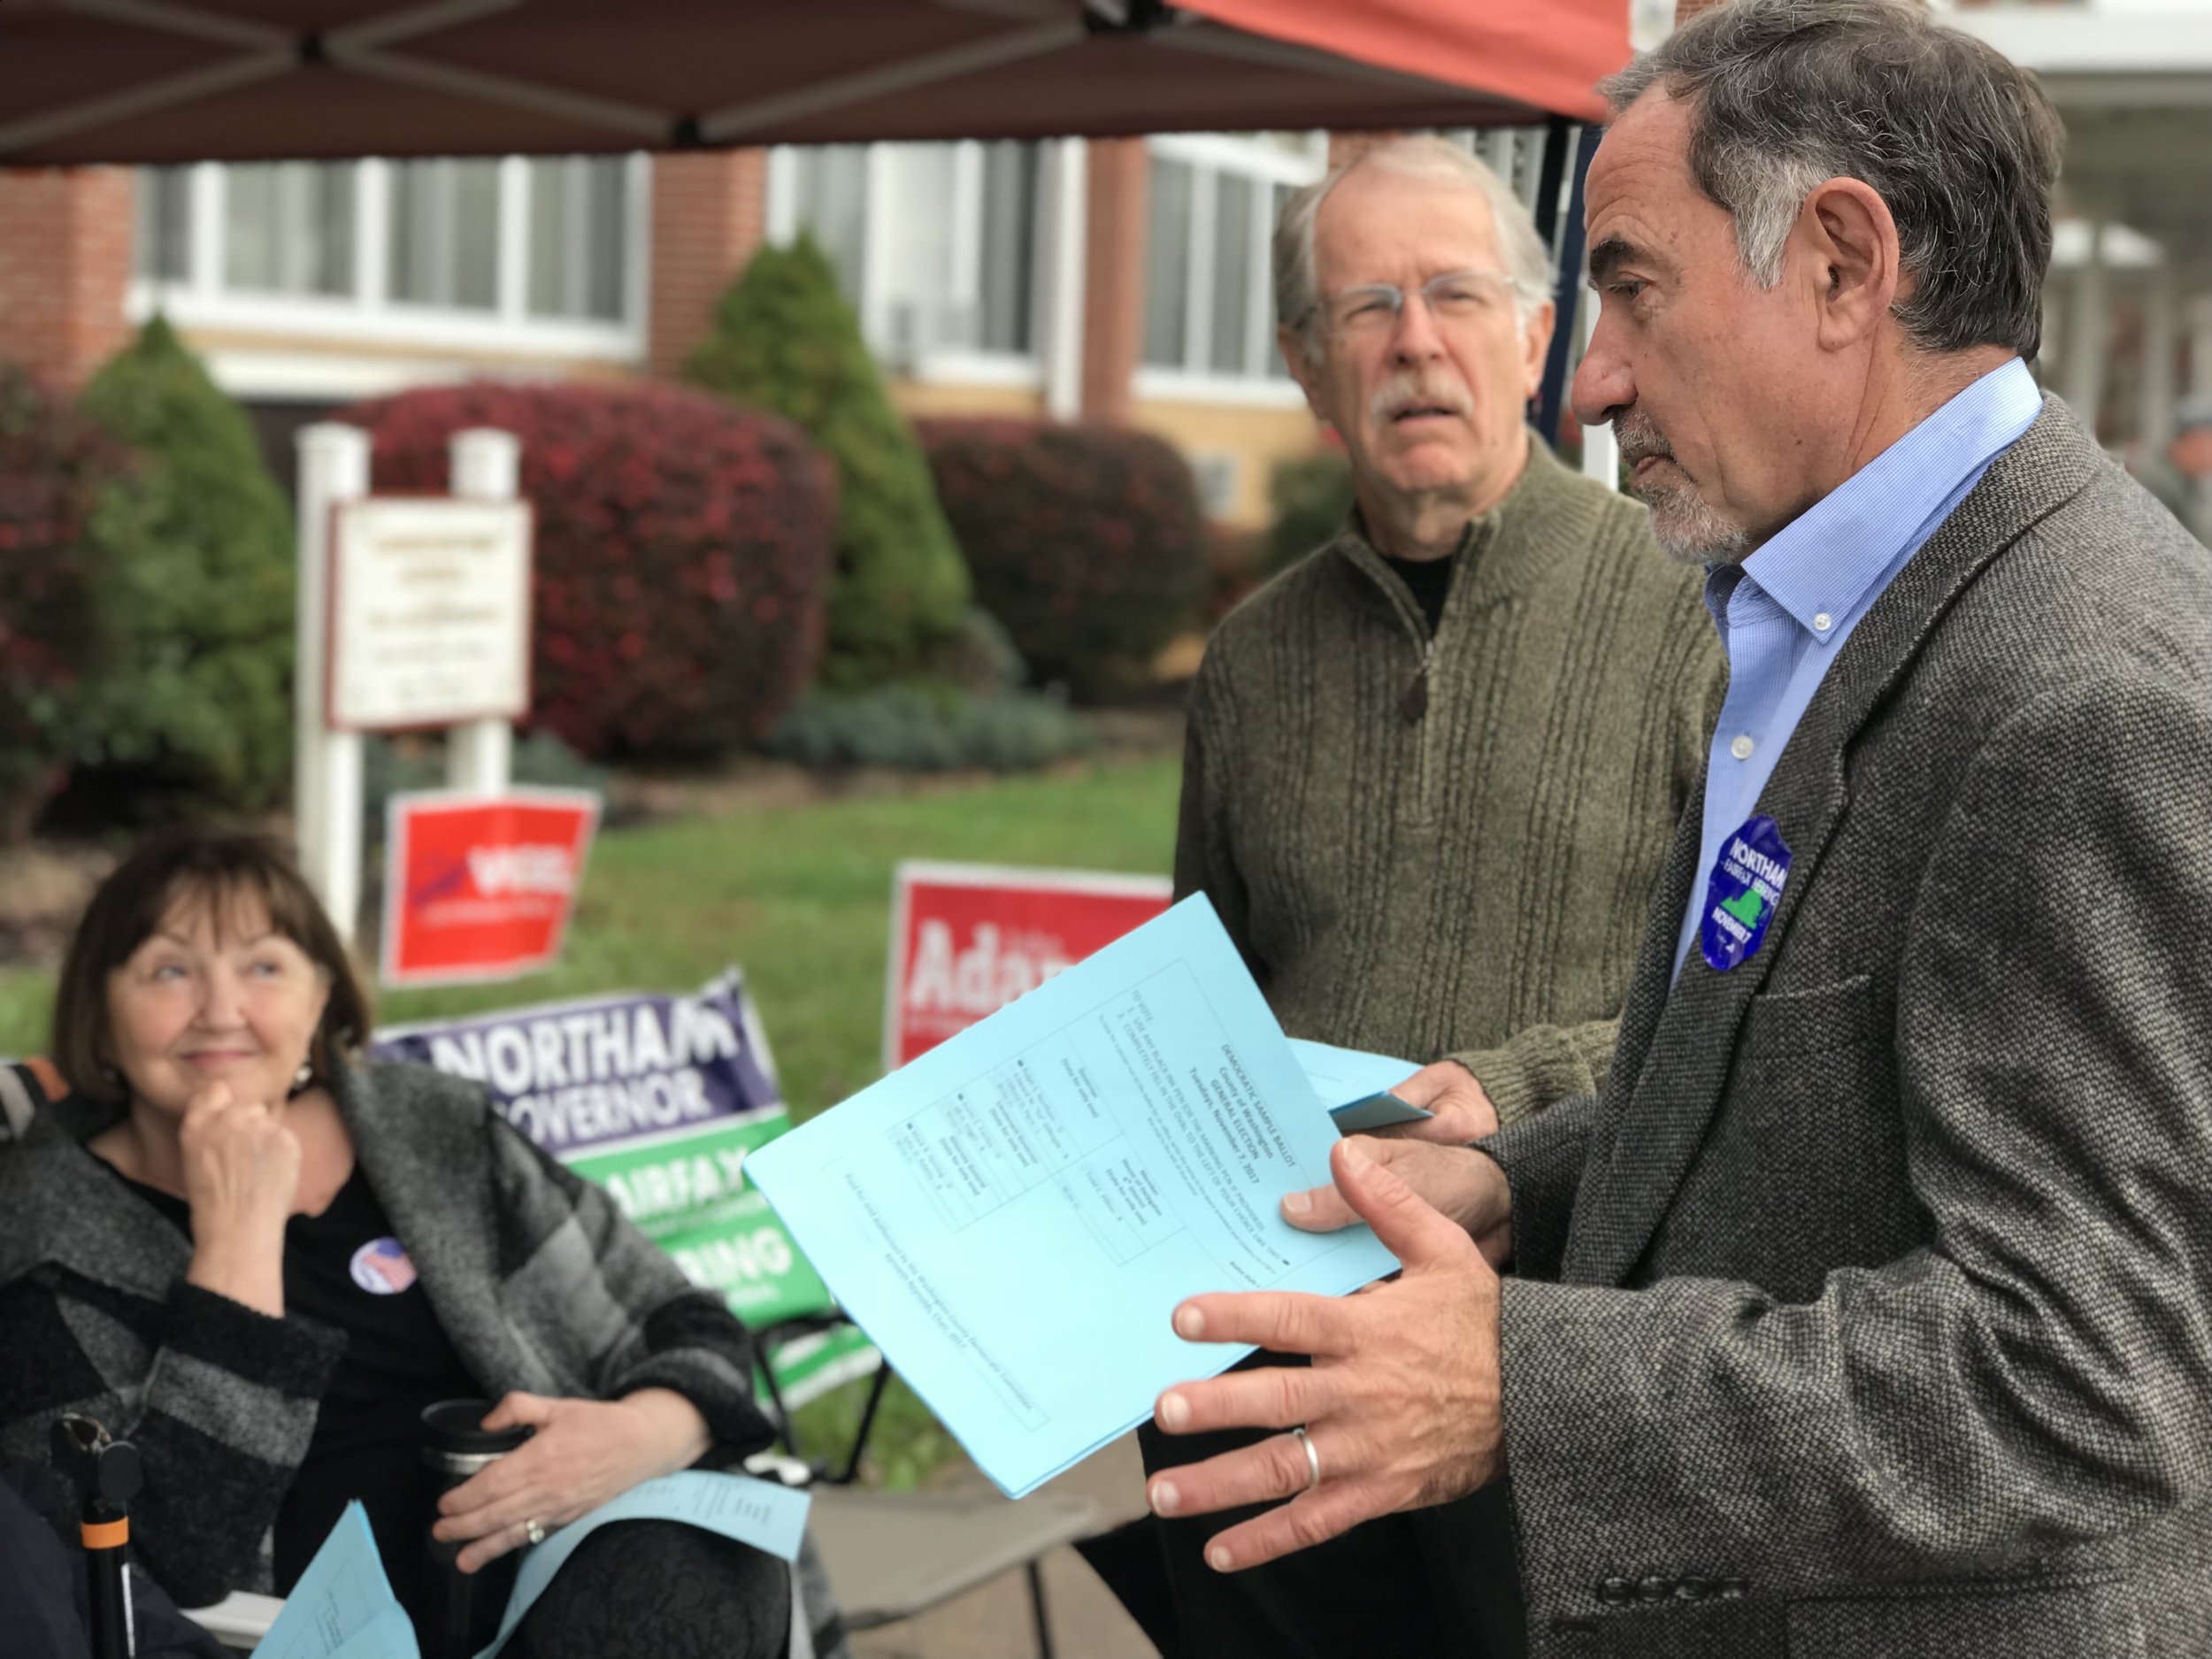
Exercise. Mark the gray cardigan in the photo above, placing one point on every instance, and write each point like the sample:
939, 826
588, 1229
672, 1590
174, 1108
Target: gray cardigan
533, 1274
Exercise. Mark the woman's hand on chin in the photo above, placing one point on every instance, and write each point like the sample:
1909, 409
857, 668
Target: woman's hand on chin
584, 1453
241, 1172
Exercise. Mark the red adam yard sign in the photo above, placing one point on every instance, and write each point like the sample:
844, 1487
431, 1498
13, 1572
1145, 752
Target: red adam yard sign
968, 938
482, 887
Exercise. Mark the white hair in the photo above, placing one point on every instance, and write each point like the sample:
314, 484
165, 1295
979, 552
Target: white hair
1528, 265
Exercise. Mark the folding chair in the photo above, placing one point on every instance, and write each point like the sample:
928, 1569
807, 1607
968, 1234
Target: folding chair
893, 1555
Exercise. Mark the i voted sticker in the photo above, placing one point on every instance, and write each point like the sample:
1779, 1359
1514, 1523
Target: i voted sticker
381, 1268
1746, 886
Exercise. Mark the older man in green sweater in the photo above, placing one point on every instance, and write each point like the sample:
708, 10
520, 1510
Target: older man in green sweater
1432, 772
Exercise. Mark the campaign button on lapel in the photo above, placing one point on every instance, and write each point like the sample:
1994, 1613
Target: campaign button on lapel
1745, 884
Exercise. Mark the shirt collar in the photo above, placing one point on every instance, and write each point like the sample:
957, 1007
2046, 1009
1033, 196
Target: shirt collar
1825, 562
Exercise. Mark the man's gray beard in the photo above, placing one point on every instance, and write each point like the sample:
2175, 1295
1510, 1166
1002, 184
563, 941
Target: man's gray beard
1689, 530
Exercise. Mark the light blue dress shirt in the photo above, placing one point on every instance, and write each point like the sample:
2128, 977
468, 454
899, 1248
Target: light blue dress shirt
1785, 612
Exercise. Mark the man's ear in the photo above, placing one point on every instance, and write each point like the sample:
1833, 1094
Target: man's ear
1849, 241
1303, 370
1535, 345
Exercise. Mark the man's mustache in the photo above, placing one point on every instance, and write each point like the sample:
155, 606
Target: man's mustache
1408, 390
1640, 440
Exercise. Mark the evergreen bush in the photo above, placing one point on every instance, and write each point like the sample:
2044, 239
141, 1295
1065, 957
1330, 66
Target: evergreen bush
785, 340
67, 520
206, 605
1308, 498
683, 554
929, 728
1088, 543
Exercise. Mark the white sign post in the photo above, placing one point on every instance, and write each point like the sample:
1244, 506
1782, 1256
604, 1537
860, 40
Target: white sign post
326, 763
414, 614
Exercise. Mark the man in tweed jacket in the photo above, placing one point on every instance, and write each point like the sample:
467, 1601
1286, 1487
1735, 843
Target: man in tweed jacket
1866, 1312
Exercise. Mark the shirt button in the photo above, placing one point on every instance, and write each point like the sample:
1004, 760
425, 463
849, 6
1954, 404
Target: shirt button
1822, 622
1740, 746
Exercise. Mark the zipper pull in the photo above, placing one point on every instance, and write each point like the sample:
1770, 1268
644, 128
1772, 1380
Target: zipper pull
1415, 702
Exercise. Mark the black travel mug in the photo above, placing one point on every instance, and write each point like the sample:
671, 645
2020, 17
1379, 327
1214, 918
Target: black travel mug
461, 1611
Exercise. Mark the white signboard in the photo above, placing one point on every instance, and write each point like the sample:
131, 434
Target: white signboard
430, 612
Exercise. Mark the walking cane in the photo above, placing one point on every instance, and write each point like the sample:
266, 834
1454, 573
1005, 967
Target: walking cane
106, 1474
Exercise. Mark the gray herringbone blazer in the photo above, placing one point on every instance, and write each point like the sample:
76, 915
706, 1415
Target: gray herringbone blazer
1867, 1312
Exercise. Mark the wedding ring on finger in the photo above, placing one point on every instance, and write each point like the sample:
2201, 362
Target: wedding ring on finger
535, 1531
1313, 1457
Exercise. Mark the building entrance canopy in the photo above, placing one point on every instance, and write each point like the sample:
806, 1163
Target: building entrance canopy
153, 82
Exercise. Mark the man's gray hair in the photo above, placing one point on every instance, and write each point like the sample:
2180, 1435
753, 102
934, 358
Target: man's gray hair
1528, 267
1961, 144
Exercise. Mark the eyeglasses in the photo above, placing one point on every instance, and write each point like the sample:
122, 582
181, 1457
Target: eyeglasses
1374, 308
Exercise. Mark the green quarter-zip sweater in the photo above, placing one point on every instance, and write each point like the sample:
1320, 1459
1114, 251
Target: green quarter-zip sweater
1444, 846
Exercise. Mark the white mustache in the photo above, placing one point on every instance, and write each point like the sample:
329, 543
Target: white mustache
1640, 440
1406, 389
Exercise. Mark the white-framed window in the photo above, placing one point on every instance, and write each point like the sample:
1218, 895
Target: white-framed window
540, 256
938, 247
1208, 292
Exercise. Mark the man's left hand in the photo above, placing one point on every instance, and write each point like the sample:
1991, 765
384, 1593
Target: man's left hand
1402, 1403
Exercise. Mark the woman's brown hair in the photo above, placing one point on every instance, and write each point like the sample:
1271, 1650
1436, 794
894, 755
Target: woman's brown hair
215, 868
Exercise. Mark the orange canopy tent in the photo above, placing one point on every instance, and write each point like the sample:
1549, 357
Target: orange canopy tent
171, 81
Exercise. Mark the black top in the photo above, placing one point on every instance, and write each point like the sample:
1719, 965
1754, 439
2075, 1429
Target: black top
345, 1269
1429, 580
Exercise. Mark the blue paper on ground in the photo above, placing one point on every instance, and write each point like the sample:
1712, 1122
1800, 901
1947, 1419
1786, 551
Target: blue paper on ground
765, 1514
1014, 1215
343, 1607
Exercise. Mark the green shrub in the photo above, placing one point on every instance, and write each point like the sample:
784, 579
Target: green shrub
785, 340
1088, 542
929, 728
205, 604
1307, 498
541, 760
68, 519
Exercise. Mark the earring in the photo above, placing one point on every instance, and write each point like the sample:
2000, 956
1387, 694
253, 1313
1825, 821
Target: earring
302, 1078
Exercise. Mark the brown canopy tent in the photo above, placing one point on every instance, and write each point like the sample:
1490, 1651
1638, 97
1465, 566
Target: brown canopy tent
171, 81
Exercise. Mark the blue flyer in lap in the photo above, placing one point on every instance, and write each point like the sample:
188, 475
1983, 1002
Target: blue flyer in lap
1014, 1215
1747, 884
343, 1607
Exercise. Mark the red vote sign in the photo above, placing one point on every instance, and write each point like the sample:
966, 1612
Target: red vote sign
481, 887
968, 938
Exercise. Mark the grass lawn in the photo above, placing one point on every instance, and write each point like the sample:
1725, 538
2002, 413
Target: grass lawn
799, 897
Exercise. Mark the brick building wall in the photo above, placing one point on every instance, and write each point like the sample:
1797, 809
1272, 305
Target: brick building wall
709, 213
64, 268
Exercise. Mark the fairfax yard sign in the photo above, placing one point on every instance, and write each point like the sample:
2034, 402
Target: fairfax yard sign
968, 938
430, 612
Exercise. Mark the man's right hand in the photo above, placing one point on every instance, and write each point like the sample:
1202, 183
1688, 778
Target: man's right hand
1466, 1186
241, 1172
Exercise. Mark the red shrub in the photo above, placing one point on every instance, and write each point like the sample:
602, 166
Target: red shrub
1088, 543
683, 557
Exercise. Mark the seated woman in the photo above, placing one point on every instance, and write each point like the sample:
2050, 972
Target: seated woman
261, 1257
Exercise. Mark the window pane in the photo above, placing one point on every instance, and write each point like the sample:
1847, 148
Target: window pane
548, 238
1008, 273
417, 271
476, 234
606, 192
249, 227
830, 185
161, 243
1233, 274
326, 253
1167, 264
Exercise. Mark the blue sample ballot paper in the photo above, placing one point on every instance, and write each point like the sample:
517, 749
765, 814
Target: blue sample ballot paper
763, 1513
343, 1607
1013, 1216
